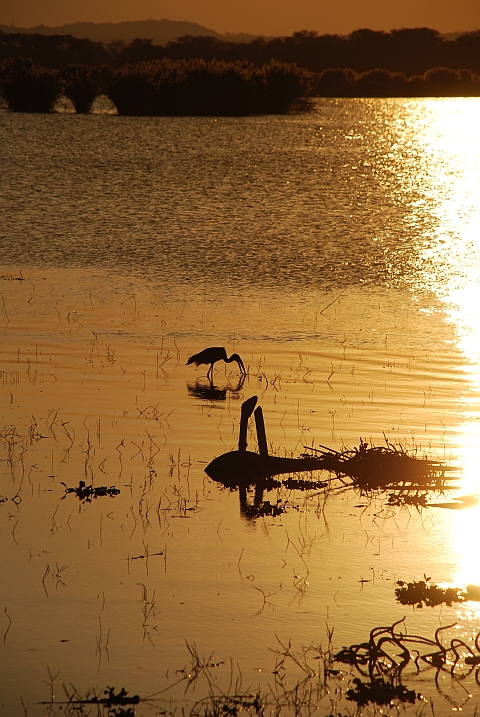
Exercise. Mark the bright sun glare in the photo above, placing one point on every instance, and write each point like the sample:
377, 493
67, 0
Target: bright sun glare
450, 143
465, 544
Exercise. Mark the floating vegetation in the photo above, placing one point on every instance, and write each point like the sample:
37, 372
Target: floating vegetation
380, 692
10, 277
419, 500
87, 492
265, 508
422, 592
292, 483
381, 663
117, 703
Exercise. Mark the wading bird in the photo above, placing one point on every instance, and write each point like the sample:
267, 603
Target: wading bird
214, 354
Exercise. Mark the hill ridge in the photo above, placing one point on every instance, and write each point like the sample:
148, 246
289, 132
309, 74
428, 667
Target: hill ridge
160, 31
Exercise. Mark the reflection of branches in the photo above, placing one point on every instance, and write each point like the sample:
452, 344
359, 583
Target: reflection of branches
15, 445
299, 582
149, 611
300, 697
58, 575
286, 653
265, 600
99, 644
50, 683
199, 666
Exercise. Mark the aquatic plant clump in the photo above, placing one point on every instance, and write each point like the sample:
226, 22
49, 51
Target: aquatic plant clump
389, 466
380, 692
117, 703
422, 593
87, 492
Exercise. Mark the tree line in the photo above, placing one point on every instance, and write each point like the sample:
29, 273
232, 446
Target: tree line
200, 87
411, 51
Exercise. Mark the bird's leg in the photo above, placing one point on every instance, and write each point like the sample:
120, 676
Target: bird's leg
210, 372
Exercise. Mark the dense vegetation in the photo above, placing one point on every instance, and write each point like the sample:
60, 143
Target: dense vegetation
197, 87
162, 87
207, 76
412, 51
436, 82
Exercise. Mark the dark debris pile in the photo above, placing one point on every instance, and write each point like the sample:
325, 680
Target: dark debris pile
385, 467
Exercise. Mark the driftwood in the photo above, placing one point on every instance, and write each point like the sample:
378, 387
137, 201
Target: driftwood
367, 467
236, 467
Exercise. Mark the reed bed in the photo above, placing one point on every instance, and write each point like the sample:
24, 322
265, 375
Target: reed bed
160, 87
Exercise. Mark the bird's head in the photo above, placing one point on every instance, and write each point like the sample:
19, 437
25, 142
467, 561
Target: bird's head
236, 357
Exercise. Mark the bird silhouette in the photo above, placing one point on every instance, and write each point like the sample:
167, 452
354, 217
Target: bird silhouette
214, 354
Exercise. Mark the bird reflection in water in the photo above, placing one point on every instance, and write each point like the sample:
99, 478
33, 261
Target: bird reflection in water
207, 391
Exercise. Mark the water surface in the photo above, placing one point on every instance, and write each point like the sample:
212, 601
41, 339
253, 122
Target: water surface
338, 253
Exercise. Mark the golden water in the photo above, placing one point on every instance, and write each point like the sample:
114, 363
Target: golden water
338, 253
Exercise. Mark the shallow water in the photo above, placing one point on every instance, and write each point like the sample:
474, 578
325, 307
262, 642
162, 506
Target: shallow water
338, 254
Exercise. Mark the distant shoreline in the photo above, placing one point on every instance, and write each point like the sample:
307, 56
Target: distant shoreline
200, 88
410, 51
207, 75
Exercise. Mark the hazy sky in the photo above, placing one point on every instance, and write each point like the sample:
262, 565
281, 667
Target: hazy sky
269, 17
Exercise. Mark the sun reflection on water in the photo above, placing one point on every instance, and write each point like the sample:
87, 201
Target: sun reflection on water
451, 145
465, 545
450, 138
